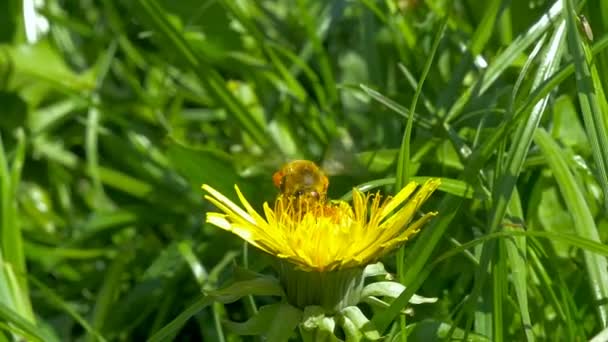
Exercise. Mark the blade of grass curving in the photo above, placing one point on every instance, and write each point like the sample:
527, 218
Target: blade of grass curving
517, 255
525, 71
330, 13
499, 292
451, 186
12, 241
558, 78
484, 29
521, 143
577, 241
422, 249
107, 294
485, 150
547, 266
312, 77
323, 60
411, 80
420, 120
403, 160
51, 296
547, 282
209, 77
597, 267
218, 308
506, 58
505, 25
92, 129
21, 325
431, 235
383, 319
591, 98
169, 330
117, 25
18, 255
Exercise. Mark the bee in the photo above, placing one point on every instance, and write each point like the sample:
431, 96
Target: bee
301, 179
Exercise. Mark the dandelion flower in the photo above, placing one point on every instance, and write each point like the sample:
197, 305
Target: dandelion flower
325, 236
327, 242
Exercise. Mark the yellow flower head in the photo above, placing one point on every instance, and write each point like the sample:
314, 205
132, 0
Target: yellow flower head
322, 236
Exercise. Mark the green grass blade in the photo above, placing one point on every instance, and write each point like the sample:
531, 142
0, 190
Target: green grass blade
209, 77
169, 330
397, 108
522, 141
448, 185
403, 161
499, 293
12, 239
382, 320
92, 132
506, 58
517, 255
106, 297
591, 98
323, 59
22, 326
484, 30
597, 267
51, 296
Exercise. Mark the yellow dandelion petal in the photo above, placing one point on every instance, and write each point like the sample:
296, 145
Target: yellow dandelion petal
248, 206
220, 200
401, 197
319, 235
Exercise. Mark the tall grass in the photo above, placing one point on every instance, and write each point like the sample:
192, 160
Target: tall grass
113, 113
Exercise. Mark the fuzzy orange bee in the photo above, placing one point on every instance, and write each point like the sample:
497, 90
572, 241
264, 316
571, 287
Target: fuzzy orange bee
301, 179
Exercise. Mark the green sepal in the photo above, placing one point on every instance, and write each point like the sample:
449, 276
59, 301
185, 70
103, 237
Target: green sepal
264, 323
316, 326
393, 290
333, 290
380, 304
353, 334
354, 315
374, 270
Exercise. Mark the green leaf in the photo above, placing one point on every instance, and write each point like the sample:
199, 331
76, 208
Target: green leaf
261, 286
596, 265
266, 322
194, 165
26, 62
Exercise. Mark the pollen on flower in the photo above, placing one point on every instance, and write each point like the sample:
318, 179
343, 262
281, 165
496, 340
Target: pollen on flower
319, 235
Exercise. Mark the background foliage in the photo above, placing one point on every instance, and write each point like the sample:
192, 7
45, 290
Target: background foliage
112, 114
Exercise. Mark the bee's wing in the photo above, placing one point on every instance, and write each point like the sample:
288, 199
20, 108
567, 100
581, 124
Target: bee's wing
340, 157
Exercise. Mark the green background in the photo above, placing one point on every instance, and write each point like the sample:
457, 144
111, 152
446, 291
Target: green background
113, 113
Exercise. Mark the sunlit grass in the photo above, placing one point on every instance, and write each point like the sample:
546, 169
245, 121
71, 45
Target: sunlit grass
113, 115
